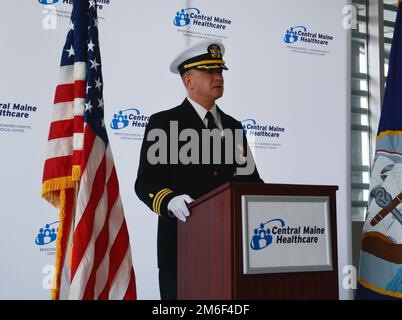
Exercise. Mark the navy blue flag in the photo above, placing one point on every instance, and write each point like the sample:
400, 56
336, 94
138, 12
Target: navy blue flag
380, 267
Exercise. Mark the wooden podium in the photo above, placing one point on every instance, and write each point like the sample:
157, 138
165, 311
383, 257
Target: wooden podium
210, 249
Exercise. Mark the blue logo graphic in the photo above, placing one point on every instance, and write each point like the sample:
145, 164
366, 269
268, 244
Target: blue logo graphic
47, 234
291, 35
121, 120
183, 16
48, 1
262, 236
248, 123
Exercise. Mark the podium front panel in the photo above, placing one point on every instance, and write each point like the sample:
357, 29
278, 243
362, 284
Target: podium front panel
286, 234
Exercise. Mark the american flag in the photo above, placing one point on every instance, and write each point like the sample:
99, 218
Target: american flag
93, 255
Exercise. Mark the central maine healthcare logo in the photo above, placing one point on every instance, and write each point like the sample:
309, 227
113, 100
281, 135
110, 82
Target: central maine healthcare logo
193, 16
262, 237
292, 36
122, 119
47, 234
302, 34
182, 17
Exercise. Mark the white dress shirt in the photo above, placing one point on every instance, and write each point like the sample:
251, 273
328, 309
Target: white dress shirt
202, 112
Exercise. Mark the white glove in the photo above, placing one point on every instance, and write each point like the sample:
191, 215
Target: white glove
178, 206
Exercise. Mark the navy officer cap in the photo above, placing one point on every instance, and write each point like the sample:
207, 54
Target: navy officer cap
206, 55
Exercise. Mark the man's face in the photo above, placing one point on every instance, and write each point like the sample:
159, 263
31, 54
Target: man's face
206, 84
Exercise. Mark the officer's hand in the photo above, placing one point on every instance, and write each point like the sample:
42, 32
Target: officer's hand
178, 206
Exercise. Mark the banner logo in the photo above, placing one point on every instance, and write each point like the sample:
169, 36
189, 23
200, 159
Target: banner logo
301, 34
129, 124
187, 16
17, 110
47, 234
182, 17
16, 117
291, 35
122, 119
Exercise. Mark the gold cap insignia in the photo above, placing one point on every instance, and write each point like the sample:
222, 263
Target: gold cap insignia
215, 51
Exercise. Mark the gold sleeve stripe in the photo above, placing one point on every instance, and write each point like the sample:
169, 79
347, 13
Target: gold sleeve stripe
198, 63
163, 195
159, 194
156, 198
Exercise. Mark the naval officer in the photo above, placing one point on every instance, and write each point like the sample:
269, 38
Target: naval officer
166, 185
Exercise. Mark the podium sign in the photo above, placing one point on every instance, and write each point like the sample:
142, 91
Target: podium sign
286, 234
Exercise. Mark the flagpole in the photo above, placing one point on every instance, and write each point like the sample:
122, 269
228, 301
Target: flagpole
64, 234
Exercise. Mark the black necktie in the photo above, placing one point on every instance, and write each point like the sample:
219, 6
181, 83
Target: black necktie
212, 125
211, 121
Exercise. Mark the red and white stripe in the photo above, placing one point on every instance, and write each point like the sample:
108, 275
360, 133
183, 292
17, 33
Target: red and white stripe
65, 139
101, 257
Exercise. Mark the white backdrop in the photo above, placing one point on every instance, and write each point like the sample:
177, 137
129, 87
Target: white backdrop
298, 90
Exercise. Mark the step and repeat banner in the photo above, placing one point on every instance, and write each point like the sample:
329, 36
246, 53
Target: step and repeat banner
288, 82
